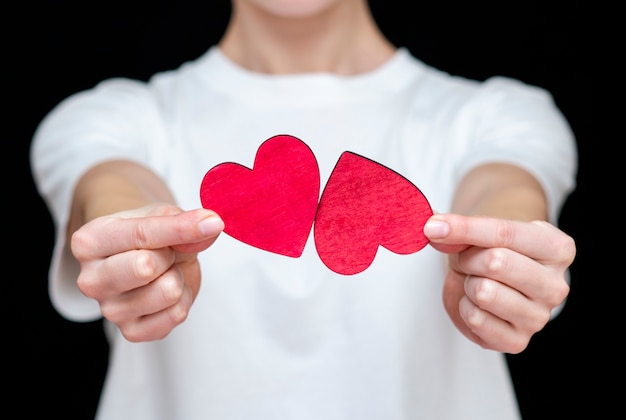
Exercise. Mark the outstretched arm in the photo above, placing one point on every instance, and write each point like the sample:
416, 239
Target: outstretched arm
137, 250
507, 265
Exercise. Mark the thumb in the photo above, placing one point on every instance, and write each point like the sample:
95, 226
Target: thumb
437, 229
208, 226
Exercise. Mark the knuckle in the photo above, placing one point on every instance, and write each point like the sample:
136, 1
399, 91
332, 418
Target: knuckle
79, 241
165, 210
132, 333
137, 331
140, 235
533, 324
178, 313
559, 293
517, 344
171, 288
86, 285
476, 318
112, 312
486, 293
542, 320
556, 290
145, 266
505, 233
496, 261
565, 249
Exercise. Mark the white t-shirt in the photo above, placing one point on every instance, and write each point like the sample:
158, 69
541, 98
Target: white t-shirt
274, 337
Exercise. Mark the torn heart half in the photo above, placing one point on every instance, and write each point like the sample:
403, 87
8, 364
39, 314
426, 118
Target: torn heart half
271, 206
363, 206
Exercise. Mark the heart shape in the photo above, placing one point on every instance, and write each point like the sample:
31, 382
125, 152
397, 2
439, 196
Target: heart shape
364, 205
271, 206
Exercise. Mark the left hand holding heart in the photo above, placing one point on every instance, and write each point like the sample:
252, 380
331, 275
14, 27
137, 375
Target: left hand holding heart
505, 277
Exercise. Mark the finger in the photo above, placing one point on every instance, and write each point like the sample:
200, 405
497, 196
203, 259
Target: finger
538, 240
158, 325
490, 331
506, 266
114, 235
504, 303
156, 296
123, 272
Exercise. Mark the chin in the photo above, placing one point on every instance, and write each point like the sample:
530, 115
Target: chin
295, 8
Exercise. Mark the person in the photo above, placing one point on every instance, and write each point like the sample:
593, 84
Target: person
204, 326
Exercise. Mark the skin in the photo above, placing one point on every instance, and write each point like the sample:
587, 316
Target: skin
138, 250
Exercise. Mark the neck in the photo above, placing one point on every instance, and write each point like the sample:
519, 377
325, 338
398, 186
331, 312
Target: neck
342, 39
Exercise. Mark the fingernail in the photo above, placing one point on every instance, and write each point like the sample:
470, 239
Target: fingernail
212, 225
436, 229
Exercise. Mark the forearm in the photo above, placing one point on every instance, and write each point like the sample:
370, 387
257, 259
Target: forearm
112, 187
501, 190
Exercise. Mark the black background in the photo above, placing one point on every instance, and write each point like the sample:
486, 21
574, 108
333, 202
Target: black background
53, 49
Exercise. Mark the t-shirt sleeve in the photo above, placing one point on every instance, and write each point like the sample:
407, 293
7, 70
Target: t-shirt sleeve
117, 119
521, 124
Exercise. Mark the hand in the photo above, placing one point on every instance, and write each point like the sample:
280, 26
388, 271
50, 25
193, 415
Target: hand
505, 277
142, 267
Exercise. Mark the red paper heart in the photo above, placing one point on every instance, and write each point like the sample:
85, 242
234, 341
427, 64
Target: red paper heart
271, 206
364, 205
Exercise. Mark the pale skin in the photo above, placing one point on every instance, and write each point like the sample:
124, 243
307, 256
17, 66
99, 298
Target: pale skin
507, 265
